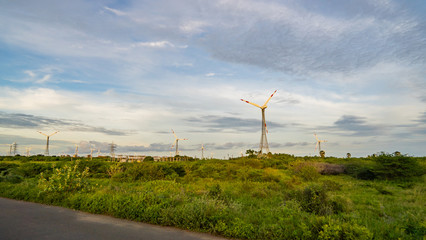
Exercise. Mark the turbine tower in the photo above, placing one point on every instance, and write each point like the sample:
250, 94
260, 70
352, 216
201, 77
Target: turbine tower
318, 145
177, 142
76, 151
47, 142
264, 146
202, 151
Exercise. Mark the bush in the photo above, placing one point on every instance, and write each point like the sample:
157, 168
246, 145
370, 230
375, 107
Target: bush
391, 167
308, 171
314, 199
6, 166
344, 231
11, 177
29, 170
65, 179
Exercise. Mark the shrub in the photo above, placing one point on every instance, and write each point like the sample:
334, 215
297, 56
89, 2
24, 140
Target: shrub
330, 185
6, 166
65, 179
33, 169
344, 231
308, 171
215, 191
115, 169
314, 199
10, 176
271, 175
340, 204
96, 167
391, 167
144, 171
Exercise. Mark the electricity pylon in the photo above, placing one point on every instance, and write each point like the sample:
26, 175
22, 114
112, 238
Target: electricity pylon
112, 146
177, 142
264, 146
28, 149
47, 141
14, 148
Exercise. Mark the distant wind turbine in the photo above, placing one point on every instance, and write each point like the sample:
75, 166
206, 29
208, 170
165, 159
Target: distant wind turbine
177, 142
76, 150
318, 145
202, 151
264, 146
47, 142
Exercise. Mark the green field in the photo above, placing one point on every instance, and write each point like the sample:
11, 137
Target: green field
281, 197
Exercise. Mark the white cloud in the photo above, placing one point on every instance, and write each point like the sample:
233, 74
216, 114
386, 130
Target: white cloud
115, 11
30, 73
158, 44
44, 79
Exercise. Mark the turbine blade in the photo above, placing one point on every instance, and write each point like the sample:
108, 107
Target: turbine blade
315, 134
174, 143
266, 128
42, 133
174, 134
269, 98
316, 146
254, 104
53, 133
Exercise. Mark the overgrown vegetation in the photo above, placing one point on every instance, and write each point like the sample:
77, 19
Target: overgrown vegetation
281, 197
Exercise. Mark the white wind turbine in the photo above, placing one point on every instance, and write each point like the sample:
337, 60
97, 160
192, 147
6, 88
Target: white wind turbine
76, 150
47, 142
177, 142
318, 144
202, 151
264, 146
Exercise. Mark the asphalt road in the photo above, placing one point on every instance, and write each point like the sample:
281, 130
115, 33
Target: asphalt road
25, 220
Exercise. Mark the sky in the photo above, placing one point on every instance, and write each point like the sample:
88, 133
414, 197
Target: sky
128, 72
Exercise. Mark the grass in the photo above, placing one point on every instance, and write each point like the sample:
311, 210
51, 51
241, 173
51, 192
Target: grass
283, 197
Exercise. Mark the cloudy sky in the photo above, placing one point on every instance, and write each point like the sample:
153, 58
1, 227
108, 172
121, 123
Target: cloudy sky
130, 71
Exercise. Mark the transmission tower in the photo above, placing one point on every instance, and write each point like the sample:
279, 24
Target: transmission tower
14, 148
28, 149
112, 146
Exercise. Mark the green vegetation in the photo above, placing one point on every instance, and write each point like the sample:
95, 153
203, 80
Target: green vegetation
281, 197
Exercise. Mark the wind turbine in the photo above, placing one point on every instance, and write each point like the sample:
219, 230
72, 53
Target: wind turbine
263, 140
91, 151
177, 142
202, 151
47, 142
318, 143
76, 150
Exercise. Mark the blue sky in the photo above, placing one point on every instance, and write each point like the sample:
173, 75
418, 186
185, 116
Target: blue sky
130, 71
